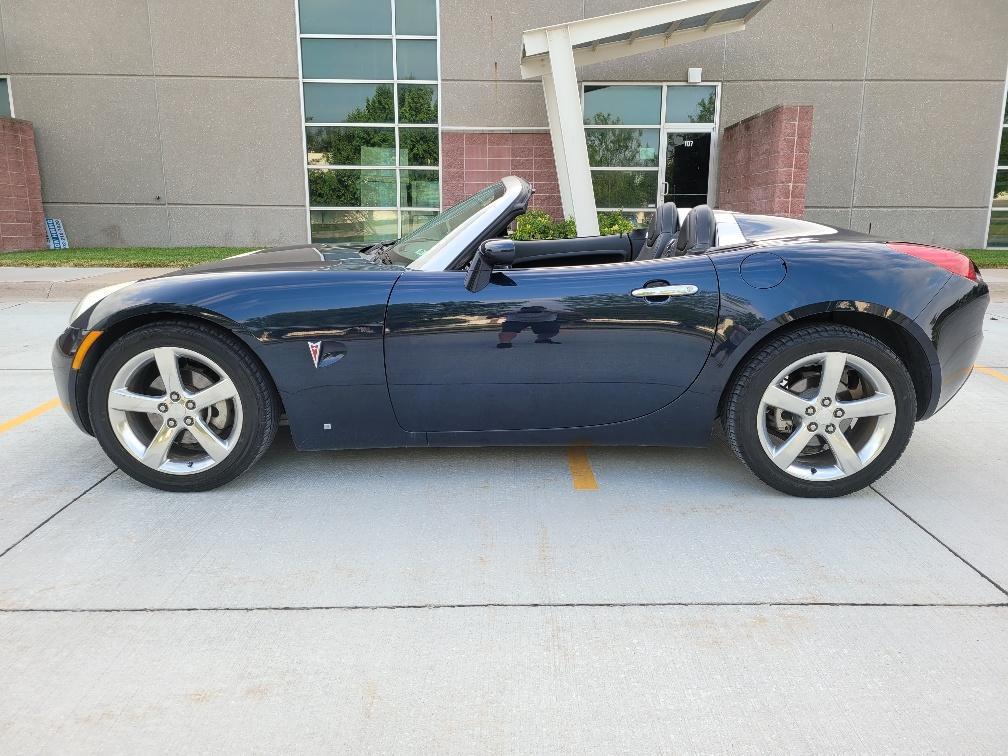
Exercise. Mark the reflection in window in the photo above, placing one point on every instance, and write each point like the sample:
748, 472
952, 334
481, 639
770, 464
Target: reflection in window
417, 59
418, 103
631, 105
346, 58
5, 111
419, 189
348, 103
418, 147
621, 189
344, 17
335, 226
351, 188
416, 18
997, 230
690, 104
622, 148
349, 145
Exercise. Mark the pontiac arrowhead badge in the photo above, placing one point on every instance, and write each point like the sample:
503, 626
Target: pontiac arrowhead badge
315, 347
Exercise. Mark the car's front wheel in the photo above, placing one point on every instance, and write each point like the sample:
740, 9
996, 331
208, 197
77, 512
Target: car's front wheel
181, 406
821, 411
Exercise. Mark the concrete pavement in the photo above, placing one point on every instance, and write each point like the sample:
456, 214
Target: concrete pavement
475, 600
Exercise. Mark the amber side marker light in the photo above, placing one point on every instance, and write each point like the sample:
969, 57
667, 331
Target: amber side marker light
83, 349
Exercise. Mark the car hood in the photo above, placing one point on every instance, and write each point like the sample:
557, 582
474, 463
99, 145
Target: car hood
299, 257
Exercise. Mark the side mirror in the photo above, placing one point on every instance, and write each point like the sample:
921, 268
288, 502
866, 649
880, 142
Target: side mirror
496, 253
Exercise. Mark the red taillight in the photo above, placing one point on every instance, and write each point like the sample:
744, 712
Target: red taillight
949, 259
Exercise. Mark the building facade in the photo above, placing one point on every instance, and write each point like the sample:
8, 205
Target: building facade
194, 122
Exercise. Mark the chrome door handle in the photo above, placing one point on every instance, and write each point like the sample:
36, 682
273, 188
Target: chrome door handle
665, 291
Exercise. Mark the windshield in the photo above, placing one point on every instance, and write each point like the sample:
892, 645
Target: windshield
414, 245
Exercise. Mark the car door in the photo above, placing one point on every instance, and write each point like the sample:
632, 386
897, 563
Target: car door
547, 348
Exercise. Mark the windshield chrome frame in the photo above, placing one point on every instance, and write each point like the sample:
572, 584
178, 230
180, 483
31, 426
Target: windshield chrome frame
443, 254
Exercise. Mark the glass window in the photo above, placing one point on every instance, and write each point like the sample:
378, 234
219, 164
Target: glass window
417, 59
416, 17
621, 189
635, 105
690, 104
351, 188
414, 219
419, 189
348, 103
622, 148
1001, 189
336, 226
345, 17
1003, 152
418, 147
5, 111
997, 232
350, 145
346, 58
418, 103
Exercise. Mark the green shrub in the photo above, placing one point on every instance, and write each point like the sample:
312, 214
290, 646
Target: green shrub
614, 223
535, 224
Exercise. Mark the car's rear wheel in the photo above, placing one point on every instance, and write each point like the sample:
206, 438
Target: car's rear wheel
821, 411
181, 406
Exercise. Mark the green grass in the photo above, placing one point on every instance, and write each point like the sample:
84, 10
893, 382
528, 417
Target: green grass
988, 258
119, 257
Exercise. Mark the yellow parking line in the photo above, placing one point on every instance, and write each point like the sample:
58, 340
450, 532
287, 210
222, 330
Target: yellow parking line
991, 372
581, 469
41, 409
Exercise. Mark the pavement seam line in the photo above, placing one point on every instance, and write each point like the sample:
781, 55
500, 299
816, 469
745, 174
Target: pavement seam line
32, 413
952, 551
503, 605
46, 521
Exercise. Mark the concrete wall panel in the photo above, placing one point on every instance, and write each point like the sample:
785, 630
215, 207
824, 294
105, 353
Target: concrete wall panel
936, 39
97, 36
959, 228
232, 142
224, 38
482, 40
831, 216
801, 39
97, 137
928, 144
112, 225
834, 135
508, 104
237, 226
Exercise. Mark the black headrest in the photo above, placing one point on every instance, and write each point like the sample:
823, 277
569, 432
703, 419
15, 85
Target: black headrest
664, 221
697, 233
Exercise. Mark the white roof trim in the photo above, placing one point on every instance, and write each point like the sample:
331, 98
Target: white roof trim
630, 32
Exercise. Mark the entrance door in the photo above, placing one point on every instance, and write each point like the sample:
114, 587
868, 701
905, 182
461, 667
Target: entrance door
687, 168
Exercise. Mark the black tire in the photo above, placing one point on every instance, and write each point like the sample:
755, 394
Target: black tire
739, 418
258, 400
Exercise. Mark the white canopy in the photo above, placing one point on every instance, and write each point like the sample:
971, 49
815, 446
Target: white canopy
552, 52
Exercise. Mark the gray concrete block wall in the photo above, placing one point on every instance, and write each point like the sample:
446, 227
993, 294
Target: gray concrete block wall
162, 122
907, 95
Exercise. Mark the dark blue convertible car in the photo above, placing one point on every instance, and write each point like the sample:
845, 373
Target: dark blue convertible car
817, 348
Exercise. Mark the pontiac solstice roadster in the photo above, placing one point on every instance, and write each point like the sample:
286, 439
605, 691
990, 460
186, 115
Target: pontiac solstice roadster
816, 348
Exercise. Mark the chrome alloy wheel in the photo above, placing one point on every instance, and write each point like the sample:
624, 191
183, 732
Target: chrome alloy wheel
175, 410
826, 416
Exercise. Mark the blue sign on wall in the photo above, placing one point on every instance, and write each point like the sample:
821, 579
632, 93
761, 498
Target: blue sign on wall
57, 236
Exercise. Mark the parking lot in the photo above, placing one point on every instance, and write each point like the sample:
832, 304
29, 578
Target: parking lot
468, 600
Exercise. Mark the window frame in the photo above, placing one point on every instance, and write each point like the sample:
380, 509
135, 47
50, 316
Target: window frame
398, 167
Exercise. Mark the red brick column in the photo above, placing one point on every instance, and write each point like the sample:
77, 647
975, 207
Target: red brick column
472, 160
764, 162
22, 220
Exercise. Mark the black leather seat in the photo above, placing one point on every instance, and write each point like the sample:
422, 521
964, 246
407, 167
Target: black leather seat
696, 235
660, 231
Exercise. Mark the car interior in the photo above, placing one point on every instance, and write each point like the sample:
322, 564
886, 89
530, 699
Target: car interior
664, 237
